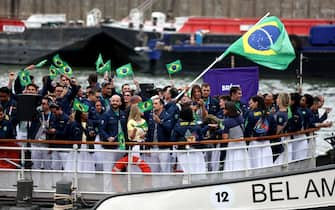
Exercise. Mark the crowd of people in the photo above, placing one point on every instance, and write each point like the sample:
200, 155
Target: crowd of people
196, 116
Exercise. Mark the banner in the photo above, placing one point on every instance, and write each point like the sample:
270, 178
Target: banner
221, 80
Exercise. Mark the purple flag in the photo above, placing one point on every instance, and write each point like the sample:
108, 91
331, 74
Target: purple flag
221, 80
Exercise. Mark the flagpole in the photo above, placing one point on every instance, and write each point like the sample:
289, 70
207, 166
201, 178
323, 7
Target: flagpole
172, 82
214, 62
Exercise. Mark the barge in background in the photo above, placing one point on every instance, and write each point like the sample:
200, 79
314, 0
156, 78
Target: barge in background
196, 41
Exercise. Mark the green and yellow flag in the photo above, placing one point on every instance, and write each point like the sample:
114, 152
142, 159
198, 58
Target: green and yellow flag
145, 106
77, 105
174, 67
106, 67
24, 77
53, 72
41, 63
125, 70
266, 44
66, 69
58, 62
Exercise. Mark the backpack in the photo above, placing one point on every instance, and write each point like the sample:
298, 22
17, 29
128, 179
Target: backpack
261, 127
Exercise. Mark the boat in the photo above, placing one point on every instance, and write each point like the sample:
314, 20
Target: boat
131, 181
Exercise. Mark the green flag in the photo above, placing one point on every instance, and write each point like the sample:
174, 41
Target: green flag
104, 68
77, 105
145, 106
41, 63
266, 43
174, 67
24, 77
289, 113
125, 70
58, 62
66, 69
99, 63
53, 72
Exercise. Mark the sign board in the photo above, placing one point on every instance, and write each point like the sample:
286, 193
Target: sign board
221, 80
291, 191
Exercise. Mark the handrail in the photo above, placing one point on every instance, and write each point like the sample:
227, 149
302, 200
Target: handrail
71, 142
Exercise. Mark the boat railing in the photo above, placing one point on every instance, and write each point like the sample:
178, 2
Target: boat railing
100, 171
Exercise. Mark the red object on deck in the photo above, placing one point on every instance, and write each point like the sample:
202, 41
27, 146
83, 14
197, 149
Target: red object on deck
240, 25
12, 25
12, 155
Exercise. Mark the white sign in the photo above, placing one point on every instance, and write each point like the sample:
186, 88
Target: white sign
309, 190
13, 28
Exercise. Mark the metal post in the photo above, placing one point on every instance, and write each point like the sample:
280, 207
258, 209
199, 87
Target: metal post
75, 150
312, 149
130, 160
189, 177
232, 61
286, 154
21, 176
300, 72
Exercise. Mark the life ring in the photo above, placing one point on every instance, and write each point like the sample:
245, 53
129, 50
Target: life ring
122, 164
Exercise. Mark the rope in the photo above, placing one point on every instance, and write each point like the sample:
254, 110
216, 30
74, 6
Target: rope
64, 197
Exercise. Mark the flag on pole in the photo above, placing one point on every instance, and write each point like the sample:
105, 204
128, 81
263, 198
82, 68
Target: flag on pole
125, 70
77, 105
66, 69
24, 77
145, 106
174, 67
266, 43
58, 62
53, 72
106, 67
41, 63
102, 67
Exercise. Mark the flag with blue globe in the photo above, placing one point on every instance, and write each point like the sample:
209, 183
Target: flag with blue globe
174, 67
125, 70
266, 43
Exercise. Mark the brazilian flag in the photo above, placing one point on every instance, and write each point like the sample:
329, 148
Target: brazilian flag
266, 44
174, 67
53, 72
24, 77
77, 105
125, 70
145, 106
99, 63
66, 69
121, 140
289, 113
106, 67
58, 62
41, 63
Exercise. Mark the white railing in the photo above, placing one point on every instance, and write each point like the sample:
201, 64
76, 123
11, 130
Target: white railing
107, 175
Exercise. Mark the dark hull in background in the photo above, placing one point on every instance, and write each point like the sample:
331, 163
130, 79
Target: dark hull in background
81, 46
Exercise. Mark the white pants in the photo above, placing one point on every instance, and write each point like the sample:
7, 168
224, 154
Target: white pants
59, 160
214, 164
98, 156
281, 158
41, 158
86, 160
260, 157
300, 148
159, 162
236, 159
109, 159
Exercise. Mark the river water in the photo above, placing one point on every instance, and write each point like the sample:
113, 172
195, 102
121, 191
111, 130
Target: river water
310, 85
